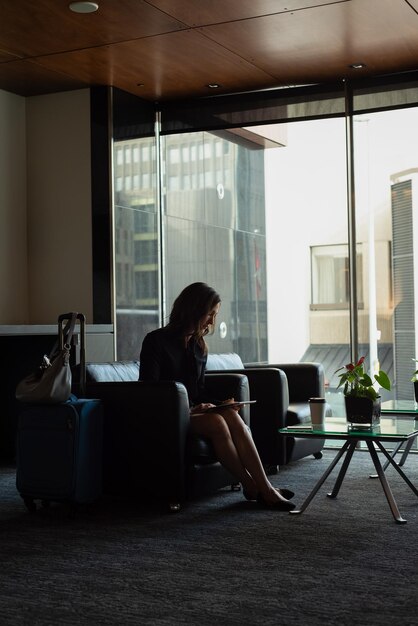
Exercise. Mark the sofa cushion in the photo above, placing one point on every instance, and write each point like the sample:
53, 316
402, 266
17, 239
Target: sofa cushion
112, 371
225, 361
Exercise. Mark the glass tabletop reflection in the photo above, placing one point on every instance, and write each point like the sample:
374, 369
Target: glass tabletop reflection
399, 426
400, 406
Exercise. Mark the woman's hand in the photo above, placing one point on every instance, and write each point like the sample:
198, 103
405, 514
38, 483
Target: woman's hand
200, 408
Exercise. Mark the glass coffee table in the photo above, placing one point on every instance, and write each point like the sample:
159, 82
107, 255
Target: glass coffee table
396, 428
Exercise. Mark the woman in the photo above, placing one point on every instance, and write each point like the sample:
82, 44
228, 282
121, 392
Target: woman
178, 352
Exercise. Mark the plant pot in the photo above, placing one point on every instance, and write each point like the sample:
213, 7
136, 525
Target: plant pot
416, 390
362, 412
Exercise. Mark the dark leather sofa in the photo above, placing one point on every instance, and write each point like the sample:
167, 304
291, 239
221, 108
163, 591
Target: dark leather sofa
148, 449
282, 392
149, 453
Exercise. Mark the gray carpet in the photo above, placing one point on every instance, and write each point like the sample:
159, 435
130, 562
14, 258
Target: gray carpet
220, 561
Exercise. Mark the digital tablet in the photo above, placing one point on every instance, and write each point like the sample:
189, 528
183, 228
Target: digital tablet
227, 405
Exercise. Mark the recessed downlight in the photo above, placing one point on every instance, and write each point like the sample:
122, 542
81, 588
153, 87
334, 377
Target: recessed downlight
83, 7
213, 85
357, 66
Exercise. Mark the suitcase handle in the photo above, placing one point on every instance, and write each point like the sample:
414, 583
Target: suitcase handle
65, 317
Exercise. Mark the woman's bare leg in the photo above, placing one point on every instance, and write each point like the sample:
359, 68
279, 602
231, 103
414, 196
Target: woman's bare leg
236, 450
214, 427
249, 456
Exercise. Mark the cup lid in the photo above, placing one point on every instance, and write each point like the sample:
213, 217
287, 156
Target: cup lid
317, 400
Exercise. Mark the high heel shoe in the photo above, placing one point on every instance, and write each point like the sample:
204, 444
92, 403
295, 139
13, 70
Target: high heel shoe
279, 505
248, 497
286, 493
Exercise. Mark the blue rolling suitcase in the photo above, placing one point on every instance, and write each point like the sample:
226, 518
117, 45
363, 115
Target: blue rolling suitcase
59, 452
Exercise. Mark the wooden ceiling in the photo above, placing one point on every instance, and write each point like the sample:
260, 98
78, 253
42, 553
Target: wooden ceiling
167, 49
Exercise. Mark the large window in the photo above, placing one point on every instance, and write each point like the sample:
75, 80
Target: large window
264, 198
214, 231
136, 245
386, 162
307, 211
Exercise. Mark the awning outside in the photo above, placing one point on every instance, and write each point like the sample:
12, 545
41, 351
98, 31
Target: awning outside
334, 356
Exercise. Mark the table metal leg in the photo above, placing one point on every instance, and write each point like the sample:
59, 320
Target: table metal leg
404, 456
408, 447
394, 453
322, 479
342, 472
387, 490
397, 467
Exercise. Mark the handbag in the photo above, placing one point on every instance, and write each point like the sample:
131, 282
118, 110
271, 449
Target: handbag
51, 382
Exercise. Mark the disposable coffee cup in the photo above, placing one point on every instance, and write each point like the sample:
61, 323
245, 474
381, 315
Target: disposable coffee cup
317, 408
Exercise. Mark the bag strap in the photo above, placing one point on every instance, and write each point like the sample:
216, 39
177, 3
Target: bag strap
65, 336
67, 333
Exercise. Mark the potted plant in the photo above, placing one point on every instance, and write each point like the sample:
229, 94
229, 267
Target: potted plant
362, 399
414, 379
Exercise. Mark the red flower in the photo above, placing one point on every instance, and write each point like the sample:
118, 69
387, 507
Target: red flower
350, 366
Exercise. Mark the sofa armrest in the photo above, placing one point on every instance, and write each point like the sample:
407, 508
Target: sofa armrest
146, 426
269, 387
223, 385
305, 380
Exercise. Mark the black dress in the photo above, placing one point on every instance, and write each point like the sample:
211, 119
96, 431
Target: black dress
165, 357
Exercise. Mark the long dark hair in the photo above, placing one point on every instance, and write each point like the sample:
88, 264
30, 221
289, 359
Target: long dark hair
193, 303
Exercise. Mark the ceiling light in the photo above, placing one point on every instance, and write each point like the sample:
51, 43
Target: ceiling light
83, 7
357, 66
213, 86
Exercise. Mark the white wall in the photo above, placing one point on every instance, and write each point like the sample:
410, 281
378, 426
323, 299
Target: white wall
305, 206
13, 244
59, 206
45, 207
